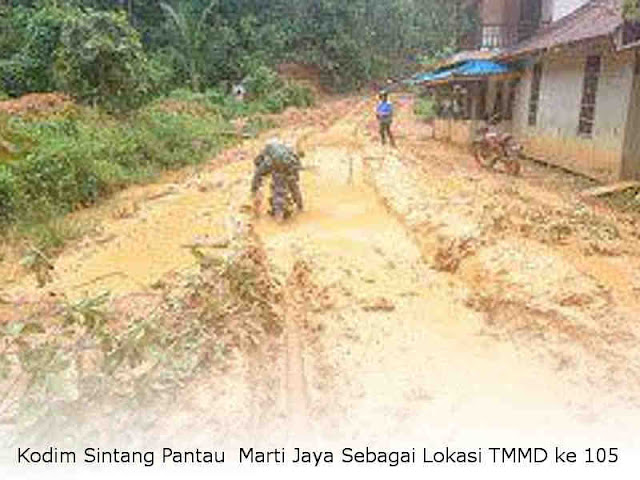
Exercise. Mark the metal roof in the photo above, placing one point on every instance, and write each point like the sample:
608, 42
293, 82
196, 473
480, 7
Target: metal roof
470, 68
597, 18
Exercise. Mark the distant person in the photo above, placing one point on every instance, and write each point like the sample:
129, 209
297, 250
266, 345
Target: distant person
239, 92
283, 164
384, 113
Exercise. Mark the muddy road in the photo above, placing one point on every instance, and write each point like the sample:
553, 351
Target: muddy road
423, 296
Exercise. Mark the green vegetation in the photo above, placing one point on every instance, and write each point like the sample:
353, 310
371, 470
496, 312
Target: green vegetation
425, 108
100, 59
54, 164
631, 10
128, 64
108, 50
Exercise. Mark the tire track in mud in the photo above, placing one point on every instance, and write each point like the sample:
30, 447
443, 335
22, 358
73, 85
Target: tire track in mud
294, 303
284, 360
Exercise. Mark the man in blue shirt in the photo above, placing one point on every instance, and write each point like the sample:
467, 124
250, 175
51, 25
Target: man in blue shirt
384, 113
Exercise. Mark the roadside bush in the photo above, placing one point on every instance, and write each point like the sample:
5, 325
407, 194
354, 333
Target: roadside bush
216, 96
101, 60
273, 94
298, 95
262, 82
274, 100
173, 140
69, 159
63, 175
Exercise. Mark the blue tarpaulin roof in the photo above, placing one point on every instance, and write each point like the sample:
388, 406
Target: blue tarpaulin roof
474, 68
470, 68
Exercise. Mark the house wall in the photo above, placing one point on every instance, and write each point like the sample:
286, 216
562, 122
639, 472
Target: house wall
500, 12
555, 137
494, 12
631, 150
547, 11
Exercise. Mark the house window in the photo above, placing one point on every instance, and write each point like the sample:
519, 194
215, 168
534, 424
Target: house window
589, 94
534, 97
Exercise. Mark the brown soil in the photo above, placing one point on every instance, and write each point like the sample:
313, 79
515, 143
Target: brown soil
307, 75
36, 103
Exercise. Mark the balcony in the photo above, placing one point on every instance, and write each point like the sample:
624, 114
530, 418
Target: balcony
493, 37
499, 36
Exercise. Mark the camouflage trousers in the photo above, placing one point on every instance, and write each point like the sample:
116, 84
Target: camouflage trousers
285, 191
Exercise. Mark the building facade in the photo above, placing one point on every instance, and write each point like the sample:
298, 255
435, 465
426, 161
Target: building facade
576, 104
573, 99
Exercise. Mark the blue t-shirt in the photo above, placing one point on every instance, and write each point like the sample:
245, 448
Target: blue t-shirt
385, 109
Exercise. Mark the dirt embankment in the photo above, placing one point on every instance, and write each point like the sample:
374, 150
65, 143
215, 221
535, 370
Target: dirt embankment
37, 104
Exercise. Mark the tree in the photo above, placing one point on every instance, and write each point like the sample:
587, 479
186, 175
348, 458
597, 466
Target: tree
31, 39
204, 42
189, 28
100, 59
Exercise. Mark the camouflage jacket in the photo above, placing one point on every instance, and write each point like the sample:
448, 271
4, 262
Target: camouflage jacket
275, 158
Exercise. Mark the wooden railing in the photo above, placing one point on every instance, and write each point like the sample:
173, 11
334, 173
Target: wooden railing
494, 36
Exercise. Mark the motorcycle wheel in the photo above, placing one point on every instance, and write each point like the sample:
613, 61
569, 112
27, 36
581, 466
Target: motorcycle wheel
484, 155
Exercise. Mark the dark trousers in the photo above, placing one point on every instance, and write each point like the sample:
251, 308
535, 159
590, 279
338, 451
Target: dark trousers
385, 131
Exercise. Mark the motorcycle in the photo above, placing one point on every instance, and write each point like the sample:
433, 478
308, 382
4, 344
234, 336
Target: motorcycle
492, 146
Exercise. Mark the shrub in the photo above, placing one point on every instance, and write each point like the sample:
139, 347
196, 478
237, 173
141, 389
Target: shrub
100, 59
262, 81
63, 175
69, 159
298, 95
216, 97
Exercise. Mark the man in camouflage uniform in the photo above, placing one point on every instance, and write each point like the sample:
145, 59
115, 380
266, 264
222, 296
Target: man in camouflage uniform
283, 164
